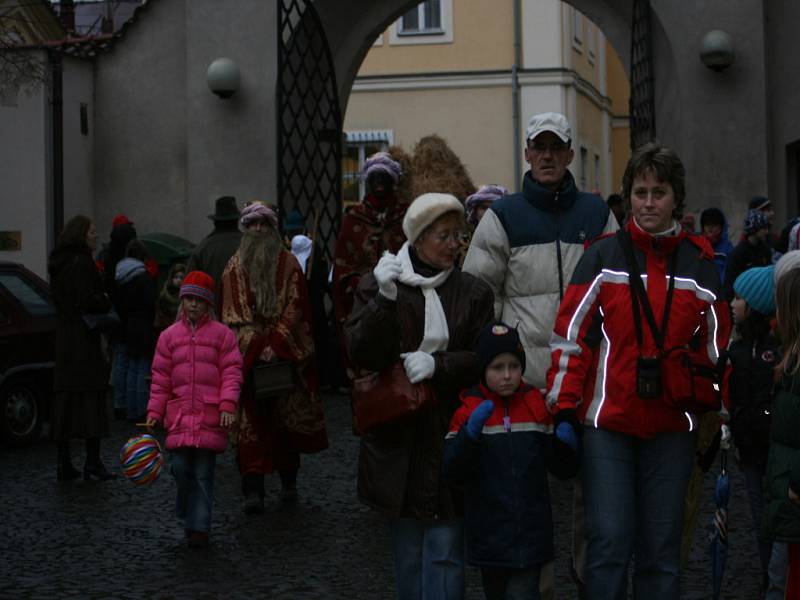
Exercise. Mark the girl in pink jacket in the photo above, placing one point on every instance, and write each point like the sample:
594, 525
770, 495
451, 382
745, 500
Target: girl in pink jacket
197, 373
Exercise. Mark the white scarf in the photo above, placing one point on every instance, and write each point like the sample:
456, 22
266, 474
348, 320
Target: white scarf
437, 335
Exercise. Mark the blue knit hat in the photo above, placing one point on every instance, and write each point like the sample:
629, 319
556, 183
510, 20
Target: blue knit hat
757, 287
754, 221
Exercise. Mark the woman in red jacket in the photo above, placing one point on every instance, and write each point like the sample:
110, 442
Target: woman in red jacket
642, 321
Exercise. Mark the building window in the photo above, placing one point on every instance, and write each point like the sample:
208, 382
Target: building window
430, 22
584, 161
360, 145
596, 172
577, 28
84, 119
591, 41
425, 18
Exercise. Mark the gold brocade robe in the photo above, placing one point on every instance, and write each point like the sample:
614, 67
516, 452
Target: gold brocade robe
289, 334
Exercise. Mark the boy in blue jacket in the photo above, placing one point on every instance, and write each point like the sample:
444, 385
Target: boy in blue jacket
499, 448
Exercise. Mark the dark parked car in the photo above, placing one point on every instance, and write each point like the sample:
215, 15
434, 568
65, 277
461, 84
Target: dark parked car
27, 343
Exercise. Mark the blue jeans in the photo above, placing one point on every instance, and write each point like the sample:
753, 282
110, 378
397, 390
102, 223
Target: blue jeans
136, 390
119, 378
634, 492
193, 470
511, 584
778, 568
428, 559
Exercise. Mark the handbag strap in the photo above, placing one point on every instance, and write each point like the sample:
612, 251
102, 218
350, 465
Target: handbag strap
639, 294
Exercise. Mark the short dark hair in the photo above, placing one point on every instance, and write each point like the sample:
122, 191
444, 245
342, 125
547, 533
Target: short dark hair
74, 232
665, 165
613, 200
136, 249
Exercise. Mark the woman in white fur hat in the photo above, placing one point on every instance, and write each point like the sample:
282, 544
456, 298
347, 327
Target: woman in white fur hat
418, 308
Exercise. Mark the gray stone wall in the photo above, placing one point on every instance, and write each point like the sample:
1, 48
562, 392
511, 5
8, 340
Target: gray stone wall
166, 146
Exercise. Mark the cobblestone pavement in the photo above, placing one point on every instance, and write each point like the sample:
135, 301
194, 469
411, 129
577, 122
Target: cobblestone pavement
115, 540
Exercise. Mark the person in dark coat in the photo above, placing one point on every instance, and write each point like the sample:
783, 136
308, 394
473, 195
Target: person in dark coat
81, 373
137, 307
213, 253
419, 310
122, 232
753, 251
754, 358
168, 300
714, 227
781, 519
499, 448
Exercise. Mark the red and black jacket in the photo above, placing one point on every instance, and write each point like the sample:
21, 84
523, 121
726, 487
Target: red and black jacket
507, 513
594, 343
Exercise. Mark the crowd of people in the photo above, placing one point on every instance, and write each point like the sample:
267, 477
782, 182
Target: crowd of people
519, 334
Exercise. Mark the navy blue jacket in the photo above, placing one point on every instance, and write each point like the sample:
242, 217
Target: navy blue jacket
507, 512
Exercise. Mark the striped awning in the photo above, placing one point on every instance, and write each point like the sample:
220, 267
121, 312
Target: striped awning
370, 135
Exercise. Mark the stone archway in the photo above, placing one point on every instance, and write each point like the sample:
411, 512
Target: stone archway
698, 113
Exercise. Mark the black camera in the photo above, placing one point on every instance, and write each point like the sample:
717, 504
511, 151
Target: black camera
648, 377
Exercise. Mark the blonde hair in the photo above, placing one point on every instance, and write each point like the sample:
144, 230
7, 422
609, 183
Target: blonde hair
787, 308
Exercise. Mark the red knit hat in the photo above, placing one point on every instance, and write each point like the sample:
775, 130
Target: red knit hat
121, 220
198, 284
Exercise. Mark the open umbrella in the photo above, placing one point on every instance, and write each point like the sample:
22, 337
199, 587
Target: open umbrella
719, 529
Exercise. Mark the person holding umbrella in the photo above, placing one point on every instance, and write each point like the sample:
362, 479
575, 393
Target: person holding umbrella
643, 313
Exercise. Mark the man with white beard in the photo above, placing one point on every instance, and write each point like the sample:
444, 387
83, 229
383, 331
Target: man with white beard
265, 301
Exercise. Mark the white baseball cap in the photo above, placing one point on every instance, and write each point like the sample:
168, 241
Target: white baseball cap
549, 121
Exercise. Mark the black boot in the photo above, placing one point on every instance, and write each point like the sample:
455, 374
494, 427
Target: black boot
65, 471
94, 467
253, 488
288, 486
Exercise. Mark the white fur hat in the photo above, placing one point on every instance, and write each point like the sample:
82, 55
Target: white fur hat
425, 210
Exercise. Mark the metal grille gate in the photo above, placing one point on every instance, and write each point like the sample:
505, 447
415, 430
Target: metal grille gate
642, 98
309, 124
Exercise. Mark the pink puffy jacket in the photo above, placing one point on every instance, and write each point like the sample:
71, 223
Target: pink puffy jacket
197, 373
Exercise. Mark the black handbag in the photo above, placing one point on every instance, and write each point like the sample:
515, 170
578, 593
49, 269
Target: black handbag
102, 322
272, 380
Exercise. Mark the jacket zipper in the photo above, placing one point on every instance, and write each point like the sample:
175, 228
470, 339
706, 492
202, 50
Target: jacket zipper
194, 332
558, 253
507, 425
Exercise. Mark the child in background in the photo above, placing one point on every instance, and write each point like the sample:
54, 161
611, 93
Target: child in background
781, 520
197, 374
499, 448
754, 358
168, 300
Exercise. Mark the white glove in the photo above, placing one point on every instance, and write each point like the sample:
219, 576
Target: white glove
725, 437
386, 272
418, 365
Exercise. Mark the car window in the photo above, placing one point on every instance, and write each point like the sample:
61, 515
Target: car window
32, 299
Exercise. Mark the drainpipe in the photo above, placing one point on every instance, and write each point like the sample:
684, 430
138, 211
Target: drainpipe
515, 119
57, 132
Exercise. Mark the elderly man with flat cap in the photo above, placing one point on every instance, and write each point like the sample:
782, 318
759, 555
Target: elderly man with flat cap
213, 253
527, 245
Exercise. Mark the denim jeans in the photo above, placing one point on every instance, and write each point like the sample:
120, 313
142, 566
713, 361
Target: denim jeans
136, 390
193, 470
511, 584
119, 378
634, 493
428, 559
778, 568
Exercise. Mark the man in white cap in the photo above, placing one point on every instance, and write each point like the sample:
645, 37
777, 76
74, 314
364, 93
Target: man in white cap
527, 244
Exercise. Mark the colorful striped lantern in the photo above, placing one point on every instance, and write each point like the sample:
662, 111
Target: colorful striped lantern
141, 459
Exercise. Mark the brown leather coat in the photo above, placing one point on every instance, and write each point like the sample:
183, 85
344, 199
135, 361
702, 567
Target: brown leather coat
399, 464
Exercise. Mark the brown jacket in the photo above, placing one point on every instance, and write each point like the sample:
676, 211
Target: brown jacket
399, 464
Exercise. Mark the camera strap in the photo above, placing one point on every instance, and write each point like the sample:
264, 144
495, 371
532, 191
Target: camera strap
639, 294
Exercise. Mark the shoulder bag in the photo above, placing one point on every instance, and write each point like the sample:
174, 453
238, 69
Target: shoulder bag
102, 322
272, 380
